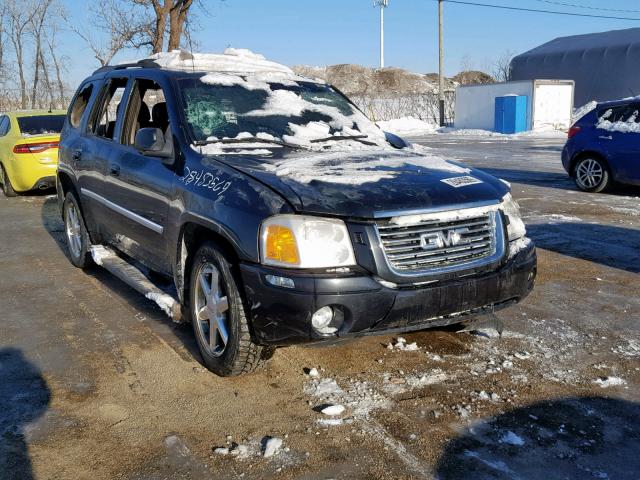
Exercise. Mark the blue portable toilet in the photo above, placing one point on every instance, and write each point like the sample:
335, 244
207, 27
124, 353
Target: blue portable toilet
511, 114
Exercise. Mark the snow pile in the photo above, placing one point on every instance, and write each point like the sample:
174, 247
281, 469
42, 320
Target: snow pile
408, 126
358, 169
235, 60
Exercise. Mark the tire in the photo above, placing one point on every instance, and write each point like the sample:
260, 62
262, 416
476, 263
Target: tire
591, 174
7, 188
78, 243
223, 307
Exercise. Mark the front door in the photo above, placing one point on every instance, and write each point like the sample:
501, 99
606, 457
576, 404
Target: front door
141, 185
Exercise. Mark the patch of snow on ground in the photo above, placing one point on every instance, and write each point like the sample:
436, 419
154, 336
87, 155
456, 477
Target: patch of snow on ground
408, 126
511, 438
402, 345
606, 382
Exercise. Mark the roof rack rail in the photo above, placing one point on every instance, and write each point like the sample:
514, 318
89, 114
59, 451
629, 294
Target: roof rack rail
144, 63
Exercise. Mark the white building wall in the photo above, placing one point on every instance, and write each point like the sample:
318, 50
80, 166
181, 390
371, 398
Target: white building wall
549, 103
475, 104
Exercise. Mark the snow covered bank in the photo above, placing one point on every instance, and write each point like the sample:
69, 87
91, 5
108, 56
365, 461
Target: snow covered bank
414, 127
408, 126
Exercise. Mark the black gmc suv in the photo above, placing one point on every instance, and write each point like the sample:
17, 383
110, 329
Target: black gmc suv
281, 213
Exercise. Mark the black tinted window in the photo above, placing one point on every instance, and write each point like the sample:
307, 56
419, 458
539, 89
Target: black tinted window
40, 124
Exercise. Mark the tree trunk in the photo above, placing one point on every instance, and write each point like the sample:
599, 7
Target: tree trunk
57, 66
177, 17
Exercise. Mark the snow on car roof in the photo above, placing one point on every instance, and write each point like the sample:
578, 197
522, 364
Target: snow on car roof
233, 60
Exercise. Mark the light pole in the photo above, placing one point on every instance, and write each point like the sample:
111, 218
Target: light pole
440, 63
382, 4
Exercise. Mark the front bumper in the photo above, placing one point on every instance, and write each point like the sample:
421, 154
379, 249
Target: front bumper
282, 316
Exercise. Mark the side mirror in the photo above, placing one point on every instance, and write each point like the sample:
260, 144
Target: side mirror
151, 142
396, 141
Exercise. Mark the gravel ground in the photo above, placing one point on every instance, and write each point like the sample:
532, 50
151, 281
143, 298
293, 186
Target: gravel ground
96, 383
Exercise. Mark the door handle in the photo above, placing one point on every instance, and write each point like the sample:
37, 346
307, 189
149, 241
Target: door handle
77, 154
605, 137
114, 170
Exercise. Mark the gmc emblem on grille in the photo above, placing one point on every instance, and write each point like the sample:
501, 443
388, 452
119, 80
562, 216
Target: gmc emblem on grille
442, 239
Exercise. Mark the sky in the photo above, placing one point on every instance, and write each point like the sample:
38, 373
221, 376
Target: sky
330, 32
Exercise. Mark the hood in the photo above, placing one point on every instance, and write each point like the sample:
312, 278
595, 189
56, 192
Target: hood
367, 183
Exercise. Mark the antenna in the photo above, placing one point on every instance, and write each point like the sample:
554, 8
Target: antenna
382, 4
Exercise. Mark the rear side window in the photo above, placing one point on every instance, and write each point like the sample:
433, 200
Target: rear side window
40, 124
104, 122
4, 125
623, 113
79, 105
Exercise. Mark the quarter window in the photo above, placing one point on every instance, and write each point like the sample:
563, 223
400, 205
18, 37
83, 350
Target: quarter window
4, 125
79, 105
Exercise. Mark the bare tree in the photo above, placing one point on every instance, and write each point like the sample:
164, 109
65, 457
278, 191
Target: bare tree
50, 38
19, 17
122, 24
36, 29
500, 67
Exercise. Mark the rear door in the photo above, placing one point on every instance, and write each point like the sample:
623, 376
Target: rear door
95, 155
141, 185
621, 142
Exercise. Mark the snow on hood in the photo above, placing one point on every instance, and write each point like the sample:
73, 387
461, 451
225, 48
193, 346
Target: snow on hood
236, 60
338, 168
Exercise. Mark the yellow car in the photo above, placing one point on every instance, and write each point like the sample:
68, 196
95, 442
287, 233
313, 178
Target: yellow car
29, 149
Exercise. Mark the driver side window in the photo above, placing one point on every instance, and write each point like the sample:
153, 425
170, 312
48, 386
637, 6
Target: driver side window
147, 109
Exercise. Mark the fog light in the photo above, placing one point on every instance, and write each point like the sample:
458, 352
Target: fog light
280, 281
321, 321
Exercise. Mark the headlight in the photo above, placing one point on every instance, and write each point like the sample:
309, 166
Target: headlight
298, 241
511, 209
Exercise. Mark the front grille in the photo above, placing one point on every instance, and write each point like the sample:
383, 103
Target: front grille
432, 244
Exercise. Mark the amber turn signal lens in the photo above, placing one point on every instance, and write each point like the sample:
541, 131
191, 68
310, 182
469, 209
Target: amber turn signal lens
281, 245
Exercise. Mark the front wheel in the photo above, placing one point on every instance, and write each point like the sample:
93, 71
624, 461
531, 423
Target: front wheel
7, 188
75, 231
219, 318
592, 175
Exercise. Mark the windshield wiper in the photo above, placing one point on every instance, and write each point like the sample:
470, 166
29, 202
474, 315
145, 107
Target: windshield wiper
359, 138
199, 143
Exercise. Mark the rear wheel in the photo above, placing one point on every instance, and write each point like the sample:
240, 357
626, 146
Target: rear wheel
75, 231
592, 175
7, 188
219, 318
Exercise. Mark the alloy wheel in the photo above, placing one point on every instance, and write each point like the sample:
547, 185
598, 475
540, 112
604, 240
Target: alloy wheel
211, 310
73, 229
589, 173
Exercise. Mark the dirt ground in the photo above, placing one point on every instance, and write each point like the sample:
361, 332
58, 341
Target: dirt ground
96, 383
